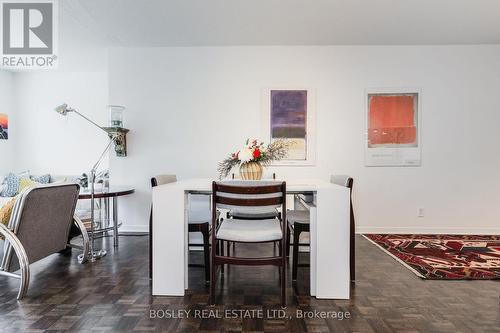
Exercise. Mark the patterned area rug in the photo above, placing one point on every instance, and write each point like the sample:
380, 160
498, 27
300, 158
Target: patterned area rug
444, 257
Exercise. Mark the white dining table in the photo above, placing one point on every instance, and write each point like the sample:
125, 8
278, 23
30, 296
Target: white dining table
329, 235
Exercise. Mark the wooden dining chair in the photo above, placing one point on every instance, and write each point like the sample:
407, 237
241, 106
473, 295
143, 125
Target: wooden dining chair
198, 221
235, 194
298, 223
348, 182
251, 213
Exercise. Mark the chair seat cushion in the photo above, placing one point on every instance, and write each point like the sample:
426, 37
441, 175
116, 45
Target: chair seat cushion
301, 216
254, 213
250, 230
304, 237
199, 209
199, 216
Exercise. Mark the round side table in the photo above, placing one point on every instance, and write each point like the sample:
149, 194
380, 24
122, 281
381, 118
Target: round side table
113, 192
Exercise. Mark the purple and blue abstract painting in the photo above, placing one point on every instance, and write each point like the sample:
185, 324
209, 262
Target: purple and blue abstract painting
289, 120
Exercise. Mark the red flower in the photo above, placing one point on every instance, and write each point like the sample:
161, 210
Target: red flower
256, 153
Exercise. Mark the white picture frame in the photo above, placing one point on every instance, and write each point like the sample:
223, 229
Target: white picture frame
310, 138
394, 154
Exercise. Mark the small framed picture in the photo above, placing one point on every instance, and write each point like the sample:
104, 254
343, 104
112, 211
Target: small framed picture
4, 126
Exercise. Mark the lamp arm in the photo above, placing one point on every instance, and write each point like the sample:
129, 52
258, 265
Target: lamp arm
87, 119
94, 168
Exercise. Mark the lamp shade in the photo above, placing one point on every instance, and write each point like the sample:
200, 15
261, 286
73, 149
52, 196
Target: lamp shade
62, 109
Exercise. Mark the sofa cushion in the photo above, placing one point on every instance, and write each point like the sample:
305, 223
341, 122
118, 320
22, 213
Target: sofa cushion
43, 179
25, 183
11, 182
6, 212
4, 200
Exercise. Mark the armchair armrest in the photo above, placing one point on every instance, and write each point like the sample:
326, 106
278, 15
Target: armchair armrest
84, 256
15, 243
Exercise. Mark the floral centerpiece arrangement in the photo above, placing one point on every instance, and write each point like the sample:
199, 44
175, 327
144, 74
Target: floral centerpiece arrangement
252, 157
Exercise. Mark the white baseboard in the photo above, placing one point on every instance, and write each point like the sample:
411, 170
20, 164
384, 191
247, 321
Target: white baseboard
134, 228
429, 230
381, 230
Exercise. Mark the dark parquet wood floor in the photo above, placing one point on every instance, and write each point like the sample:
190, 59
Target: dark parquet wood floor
113, 295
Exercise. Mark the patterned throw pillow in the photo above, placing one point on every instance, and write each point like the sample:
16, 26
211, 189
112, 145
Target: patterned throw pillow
43, 179
6, 212
26, 182
11, 182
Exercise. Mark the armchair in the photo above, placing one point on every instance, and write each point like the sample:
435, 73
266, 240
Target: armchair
39, 226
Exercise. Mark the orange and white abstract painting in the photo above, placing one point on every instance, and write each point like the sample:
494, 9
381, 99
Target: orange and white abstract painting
393, 128
392, 120
4, 126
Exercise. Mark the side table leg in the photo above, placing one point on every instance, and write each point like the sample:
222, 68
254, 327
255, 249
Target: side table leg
105, 214
115, 221
107, 210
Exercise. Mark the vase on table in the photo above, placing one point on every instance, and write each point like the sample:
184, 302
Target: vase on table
251, 171
252, 156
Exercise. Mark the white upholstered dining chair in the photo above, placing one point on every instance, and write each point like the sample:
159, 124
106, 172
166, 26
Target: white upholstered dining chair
298, 223
199, 217
229, 195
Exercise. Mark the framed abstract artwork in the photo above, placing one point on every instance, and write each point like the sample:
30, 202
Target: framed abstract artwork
4, 126
290, 114
393, 127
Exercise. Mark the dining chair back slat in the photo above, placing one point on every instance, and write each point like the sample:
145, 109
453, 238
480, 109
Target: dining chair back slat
249, 202
260, 189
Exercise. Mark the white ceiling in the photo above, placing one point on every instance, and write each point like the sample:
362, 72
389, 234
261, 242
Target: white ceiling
282, 22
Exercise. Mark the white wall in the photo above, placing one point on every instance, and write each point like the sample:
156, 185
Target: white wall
7, 105
188, 107
50, 143
44, 141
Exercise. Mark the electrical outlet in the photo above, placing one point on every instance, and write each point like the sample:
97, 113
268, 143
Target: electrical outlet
420, 211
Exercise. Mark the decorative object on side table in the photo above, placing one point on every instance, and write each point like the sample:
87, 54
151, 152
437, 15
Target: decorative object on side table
253, 157
83, 180
116, 136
